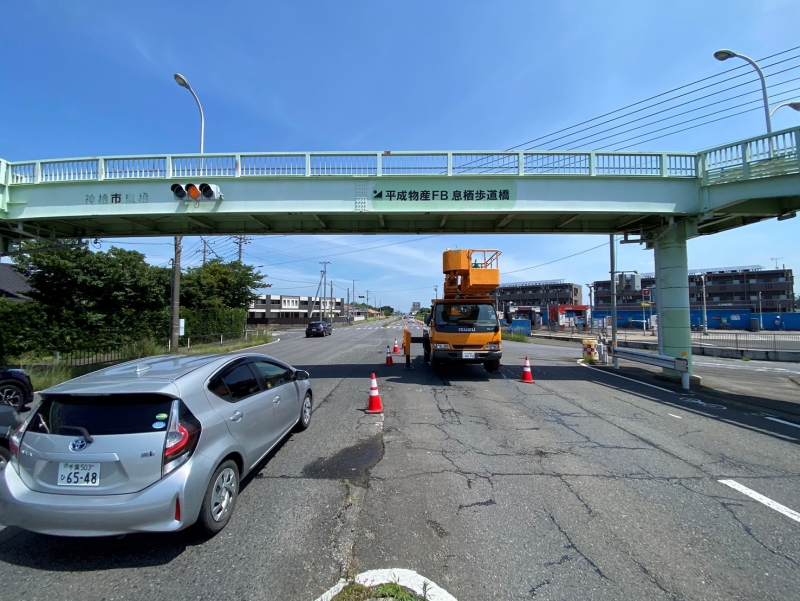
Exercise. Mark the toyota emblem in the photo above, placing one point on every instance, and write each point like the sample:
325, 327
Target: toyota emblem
78, 445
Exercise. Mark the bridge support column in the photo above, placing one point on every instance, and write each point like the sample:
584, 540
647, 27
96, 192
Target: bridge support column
673, 291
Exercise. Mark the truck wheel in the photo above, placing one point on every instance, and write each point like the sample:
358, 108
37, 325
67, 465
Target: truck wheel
492, 366
435, 364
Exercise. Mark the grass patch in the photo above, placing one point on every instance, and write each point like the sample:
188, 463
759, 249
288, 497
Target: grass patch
514, 337
45, 376
392, 591
207, 349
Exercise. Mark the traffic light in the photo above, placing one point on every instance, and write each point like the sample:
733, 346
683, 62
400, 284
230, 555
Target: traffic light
646, 294
206, 191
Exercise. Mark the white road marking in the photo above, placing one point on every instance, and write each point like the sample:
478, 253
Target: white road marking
626, 378
406, 578
775, 419
673, 415
762, 499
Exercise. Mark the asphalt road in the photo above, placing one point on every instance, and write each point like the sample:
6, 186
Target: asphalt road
581, 485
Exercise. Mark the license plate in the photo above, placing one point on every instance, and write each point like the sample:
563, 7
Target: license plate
79, 474
467, 355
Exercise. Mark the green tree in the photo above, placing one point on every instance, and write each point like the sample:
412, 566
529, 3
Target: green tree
91, 299
219, 285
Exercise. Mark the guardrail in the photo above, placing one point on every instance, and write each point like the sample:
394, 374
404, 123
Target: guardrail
678, 364
355, 164
762, 156
748, 341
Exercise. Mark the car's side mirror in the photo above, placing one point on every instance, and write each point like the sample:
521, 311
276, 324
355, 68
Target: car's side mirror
301, 374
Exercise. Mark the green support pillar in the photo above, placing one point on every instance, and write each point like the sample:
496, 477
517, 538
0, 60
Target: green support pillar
673, 290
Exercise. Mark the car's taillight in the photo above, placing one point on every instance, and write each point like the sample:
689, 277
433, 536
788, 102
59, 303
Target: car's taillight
181, 439
14, 443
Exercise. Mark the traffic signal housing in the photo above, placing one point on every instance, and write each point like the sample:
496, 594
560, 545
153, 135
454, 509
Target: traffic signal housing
202, 192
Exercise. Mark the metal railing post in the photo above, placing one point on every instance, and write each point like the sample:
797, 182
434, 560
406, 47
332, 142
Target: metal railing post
664, 165
449, 164
101, 169
308, 164
745, 150
521, 162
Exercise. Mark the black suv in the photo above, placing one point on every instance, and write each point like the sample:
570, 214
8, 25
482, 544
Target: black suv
319, 328
16, 389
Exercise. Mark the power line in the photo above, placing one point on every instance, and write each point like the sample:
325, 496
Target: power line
556, 260
652, 98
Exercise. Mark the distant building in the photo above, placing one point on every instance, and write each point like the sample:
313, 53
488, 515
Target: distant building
274, 307
538, 295
13, 285
751, 287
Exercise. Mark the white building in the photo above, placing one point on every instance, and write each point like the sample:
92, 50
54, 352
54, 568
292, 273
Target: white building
279, 307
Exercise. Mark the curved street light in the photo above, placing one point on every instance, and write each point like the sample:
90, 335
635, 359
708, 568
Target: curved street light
794, 105
723, 55
184, 83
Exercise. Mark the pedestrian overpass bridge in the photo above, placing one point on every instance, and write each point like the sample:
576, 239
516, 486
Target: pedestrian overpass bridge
660, 199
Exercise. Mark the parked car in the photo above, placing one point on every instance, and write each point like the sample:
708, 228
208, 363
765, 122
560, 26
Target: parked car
152, 445
9, 421
319, 328
16, 389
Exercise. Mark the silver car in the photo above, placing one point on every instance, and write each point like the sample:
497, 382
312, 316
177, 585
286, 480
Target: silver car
153, 445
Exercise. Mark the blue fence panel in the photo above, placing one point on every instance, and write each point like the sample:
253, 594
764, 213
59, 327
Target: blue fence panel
521, 326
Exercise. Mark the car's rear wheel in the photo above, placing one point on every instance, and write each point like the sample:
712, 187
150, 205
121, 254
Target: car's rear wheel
220, 499
308, 335
12, 395
5, 457
305, 414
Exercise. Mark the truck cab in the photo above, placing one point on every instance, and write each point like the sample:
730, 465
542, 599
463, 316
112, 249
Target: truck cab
463, 327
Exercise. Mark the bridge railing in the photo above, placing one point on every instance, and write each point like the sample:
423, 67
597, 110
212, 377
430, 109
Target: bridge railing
356, 164
762, 156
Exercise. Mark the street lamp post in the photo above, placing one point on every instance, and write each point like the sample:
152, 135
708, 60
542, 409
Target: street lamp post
723, 55
175, 333
793, 105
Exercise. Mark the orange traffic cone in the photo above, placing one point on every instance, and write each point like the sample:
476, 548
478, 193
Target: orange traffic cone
527, 376
389, 360
375, 404
396, 350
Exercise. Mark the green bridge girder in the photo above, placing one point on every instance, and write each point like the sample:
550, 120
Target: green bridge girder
404, 193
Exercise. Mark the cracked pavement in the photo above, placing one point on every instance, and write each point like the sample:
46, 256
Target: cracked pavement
580, 485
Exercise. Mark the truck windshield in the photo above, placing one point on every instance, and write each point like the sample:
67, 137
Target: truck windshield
467, 315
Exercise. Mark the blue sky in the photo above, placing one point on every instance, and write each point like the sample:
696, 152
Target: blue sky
85, 78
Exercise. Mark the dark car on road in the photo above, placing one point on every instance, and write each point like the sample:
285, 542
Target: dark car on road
16, 389
319, 328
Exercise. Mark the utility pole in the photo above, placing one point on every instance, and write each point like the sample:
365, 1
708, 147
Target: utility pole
333, 304
241, 244
436, 292
367, 303
348, 305
205, 252
614, 299
325, 284
760, 314
175, 334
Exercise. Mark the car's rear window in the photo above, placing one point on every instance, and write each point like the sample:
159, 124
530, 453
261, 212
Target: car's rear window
102, 414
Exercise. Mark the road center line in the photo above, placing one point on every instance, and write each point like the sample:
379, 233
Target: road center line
775, 419
673, 415
762, 499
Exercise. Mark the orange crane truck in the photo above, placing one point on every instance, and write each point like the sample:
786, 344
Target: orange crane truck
463, 326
